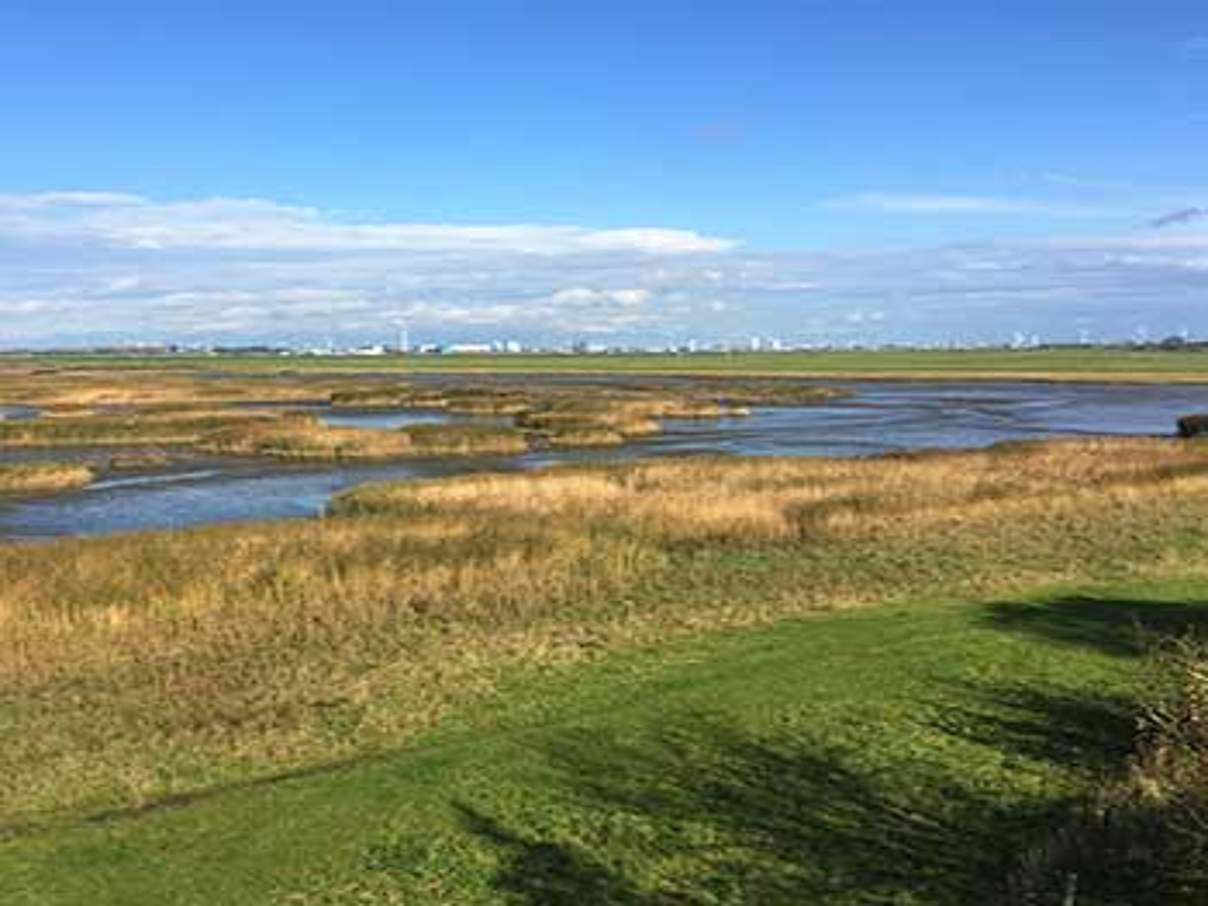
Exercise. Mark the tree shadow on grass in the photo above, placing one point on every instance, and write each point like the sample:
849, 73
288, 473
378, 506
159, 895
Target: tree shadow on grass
703, 813
1091, 734
1114, 627
550, 873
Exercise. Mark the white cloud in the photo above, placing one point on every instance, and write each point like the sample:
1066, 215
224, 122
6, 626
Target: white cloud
581, 296
87, 267
890, 203
576, 309
631, 298
255, 224
52, 200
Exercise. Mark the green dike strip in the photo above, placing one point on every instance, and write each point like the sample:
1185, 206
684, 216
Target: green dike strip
1127, 365
907, 754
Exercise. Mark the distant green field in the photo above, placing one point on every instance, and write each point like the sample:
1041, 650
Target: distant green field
1049, 364
829, 760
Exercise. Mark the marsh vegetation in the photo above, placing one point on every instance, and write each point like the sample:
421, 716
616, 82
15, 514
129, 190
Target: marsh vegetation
144, 666
142, 670
251, 416
43, 477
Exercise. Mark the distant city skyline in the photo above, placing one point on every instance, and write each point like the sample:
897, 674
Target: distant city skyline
628, 174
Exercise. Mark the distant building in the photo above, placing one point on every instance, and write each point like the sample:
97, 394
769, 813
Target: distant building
468, 348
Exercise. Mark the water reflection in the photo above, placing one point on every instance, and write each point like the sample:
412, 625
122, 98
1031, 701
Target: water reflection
383, 419
12, 413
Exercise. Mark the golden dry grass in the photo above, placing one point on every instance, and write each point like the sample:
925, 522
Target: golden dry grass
586, 437
387, 396
798, 498
307, 439
137, 666
43, 477
86, 389
567, 422
172, 427
466, 440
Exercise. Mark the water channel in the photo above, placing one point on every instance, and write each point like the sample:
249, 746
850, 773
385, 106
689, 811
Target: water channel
880, 417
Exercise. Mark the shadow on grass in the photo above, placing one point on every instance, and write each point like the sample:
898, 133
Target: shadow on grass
1115, 627
1091, 735
552, 874
704, 813
707, 814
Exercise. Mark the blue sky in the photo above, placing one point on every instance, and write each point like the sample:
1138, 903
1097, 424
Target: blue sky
847, 169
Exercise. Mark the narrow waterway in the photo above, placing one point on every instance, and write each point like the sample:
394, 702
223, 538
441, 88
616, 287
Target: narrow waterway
881, 417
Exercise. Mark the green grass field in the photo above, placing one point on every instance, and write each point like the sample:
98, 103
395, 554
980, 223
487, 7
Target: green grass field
1046, 364
834, 759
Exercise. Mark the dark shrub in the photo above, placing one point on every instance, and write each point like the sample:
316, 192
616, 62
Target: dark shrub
1193, 425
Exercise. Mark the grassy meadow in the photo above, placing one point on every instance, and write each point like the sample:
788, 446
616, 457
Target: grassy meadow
699, 680
1057, 364
832, 760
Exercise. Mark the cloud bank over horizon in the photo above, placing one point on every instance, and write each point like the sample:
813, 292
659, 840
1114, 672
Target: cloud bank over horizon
94, 266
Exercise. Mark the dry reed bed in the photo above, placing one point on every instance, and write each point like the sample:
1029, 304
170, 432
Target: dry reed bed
801, 499
306, 439
176, 428
43, 477
145, 665
577, 416
69, 389
83, 408
557, 417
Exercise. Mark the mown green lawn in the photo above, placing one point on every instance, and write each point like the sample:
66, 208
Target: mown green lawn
907, 755
1189, 364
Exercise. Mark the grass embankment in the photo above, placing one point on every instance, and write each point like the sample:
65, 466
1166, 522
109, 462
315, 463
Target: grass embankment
139, 667
910, 754
1069, 364
43, 477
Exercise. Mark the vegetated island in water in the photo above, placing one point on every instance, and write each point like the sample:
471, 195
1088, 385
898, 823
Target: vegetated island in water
114, 408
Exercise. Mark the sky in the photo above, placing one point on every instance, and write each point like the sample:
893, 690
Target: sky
823, 171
